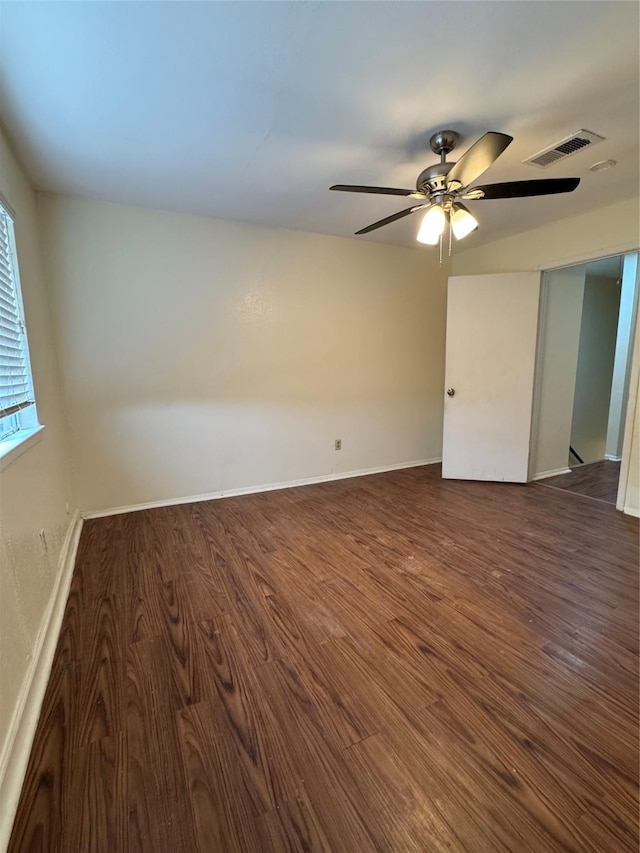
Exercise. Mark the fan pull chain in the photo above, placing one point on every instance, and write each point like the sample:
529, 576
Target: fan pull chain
440, 244
449, 221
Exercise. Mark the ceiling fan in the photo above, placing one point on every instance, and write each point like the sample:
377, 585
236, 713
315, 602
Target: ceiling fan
441, 187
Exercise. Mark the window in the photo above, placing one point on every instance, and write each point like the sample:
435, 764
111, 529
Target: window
17, 406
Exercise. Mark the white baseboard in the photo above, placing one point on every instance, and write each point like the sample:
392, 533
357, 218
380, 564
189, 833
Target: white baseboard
15, 755
252, 490
612, 458
631, 510
555, 473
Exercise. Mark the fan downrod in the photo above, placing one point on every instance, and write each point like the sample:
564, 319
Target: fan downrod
434, 178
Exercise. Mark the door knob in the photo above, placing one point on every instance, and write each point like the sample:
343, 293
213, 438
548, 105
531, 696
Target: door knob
451, 392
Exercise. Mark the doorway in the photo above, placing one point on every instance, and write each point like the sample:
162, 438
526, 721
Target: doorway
584, 361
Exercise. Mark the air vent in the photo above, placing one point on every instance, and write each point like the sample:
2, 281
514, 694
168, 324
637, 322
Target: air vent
570, 145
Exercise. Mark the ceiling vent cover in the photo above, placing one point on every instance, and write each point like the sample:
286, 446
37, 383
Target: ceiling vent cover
570, 145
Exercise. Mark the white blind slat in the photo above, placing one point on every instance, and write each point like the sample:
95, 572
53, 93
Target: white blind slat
10, 315
6, 300
12, 328
15, 375
6, 283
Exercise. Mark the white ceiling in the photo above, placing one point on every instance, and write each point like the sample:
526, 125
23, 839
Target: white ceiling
250, 111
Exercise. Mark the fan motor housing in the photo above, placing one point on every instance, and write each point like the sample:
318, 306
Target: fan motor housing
434, 178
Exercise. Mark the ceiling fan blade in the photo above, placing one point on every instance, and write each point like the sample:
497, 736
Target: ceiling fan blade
387, 220
522, 189
479, 157
354, 188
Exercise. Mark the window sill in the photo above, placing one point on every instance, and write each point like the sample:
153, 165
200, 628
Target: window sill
16, 444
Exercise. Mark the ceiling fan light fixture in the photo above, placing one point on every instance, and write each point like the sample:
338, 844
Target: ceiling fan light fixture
463, 222
432, 226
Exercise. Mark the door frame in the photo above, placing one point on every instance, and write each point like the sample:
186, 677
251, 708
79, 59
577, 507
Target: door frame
577, 260
632, 400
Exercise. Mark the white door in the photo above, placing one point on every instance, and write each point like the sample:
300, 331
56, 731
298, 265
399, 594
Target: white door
492, 325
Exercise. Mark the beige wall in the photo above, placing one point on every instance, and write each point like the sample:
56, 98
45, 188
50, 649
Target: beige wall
594, 372
34, 488
203, 355
611, 230
557, 359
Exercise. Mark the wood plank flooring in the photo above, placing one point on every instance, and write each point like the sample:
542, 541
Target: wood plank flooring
597, 480
389, 663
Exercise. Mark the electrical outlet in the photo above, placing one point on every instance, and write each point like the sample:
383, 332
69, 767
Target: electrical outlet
338, 444
43, 541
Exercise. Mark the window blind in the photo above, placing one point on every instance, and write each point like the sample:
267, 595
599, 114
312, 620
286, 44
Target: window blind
15, 381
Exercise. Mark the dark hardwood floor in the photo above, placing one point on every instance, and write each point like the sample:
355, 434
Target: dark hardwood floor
390, 663
597, 480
